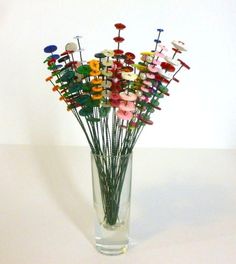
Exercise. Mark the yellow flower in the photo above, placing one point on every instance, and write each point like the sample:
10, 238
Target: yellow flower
149, 53
96, 96
140, 67
94, 65
96, 81
95, 73
97, 89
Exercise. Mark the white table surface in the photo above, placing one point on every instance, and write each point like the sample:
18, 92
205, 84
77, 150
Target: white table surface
183, 207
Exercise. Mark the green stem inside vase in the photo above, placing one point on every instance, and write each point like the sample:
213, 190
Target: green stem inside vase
111, 173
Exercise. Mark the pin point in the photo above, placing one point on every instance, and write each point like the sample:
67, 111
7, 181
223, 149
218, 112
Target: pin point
80, 50
157, 41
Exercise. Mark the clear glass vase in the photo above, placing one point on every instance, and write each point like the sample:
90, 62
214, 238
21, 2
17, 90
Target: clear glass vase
111, 176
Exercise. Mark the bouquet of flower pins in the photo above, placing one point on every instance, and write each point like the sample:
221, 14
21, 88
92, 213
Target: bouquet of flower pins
113, 97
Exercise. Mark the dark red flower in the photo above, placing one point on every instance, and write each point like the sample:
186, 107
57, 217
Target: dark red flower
184, 64
167, 66
51, 61
127, 68
129, 61
118, 64
120, 26
154, 106
71, 64
114, 103
129, 55
67, 52
145, 120
161, 79
176, 50
118, 52
119, 39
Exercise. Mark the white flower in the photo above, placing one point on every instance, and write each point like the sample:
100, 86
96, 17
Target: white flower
106, 63
71, 46
129, 76
172, 61
179, 45
149, 59
143, 76
106, 84
108, 53
107, 73
164, 74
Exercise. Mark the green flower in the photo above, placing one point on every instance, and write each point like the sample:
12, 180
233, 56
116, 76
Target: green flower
84, 69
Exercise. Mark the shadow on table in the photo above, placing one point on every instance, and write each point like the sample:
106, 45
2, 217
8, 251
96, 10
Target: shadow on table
162, 207
60, 175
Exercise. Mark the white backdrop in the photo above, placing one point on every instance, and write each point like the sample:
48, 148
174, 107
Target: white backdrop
201, 109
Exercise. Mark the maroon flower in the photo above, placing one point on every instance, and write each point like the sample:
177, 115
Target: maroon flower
161, 79
118, 64
120, 26
184, 64
129, 56
175, 79
71, 64
118, 52
119, 39
167, 66
51, 61
129, 62
176, 50
67, 52
127, 68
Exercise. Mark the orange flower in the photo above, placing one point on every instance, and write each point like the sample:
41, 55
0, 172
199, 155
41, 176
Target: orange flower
55, 88
94, 65
49, 78
97, 89
95, 73
96, 81
96, 96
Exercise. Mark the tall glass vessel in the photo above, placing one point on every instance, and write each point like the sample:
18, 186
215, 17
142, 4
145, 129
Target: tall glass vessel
112, 177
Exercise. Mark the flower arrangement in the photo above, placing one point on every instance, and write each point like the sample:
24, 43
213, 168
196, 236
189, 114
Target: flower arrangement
113, 98
113, 82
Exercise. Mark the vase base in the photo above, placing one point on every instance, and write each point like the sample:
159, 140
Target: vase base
111, 250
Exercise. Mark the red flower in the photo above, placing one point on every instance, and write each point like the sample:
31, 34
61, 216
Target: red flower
145, 120
118, 52
67, 52
118, 64
120, 26
71, 64
129, 55
161, 79
119, 39
129, 61
184, 64
167, 66
51, 61
176, 50
114, 103
127, 68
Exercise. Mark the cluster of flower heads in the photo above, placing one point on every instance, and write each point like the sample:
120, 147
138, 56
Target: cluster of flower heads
113, 79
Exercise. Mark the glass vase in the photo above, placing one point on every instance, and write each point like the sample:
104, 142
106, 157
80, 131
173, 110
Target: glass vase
111, 178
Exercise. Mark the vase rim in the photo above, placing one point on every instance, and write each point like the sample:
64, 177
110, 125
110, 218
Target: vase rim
119, 155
